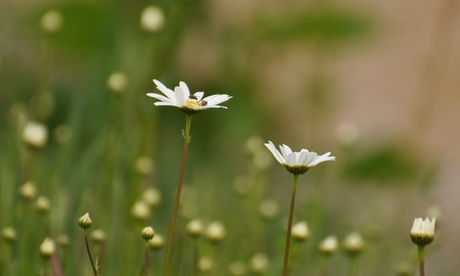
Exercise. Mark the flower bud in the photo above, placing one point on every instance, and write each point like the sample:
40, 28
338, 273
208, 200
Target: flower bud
353, 243
35, 135
98, 236
140, 211
422, 232
47, 248
63, 240
144, 165
148, 233
152, 197
329, 245
300, 231
42, 204
52, 21
268, 208
194, 228
85, 221
259, 263
9, 234
117, 82
157, 242
237, 268
215, 231
152, 19
205, 264
28, 191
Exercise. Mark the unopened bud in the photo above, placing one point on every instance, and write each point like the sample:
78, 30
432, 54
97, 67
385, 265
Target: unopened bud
148, 233
194, 228
52, 21
43, 204
215, 231
329, 245
140, 211
35, 135
157, 242
98, 235
9, 234
85, 221
152, 19
152, 197
300, 231
259, 263
47, 248
28, 191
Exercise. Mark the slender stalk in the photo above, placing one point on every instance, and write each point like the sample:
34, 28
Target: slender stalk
324, 265
421, 260
146, 261
288, 235
352, 266
187, 139
89, 255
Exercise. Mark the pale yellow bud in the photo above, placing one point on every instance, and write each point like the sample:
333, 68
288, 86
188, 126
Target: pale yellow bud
9, 234
215, 231
152, 19
35, 135
237, 268
63, 240
85, 221
353, 243
194, 228
152, 197
98, 235
157, 242
42, 204
145, 165
329, 245
268, 208
205, 264
117, 82
140, 210
47, 248
254, 144
148, 233
28, 191
259, 263
52, 21
300, 231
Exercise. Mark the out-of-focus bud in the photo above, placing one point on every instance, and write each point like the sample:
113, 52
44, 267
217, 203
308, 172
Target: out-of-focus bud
237, 268
268, 208
347, 134
194, 228
353, 243
35, 135
243, 185
28, 191
262, 160
329, 245
205, 264
98, 236
259, 263
63, 133
85, 221
144, 165
157, 242
9, 234
300, 231
42, 204
117, 82
43, 104
63, 240
47, 248
152, 19
255, 144
140, 210
152, 197
215, 231
52, 21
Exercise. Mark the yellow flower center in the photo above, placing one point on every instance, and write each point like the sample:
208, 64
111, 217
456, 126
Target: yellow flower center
192, 102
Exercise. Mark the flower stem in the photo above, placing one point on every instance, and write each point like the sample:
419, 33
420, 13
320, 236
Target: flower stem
324, 265
146, 261
89, 255
187, 139
421, 260
288, 235
352, 265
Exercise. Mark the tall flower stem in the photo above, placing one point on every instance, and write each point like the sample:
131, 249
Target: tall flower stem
288, 235
146, 260
89, 255
352, 265
421, 260
187, 139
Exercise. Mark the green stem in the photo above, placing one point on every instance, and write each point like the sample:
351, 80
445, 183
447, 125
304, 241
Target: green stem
89, 255
288, 235
324, 265
352, 266
187, 139
421, 260
146, 261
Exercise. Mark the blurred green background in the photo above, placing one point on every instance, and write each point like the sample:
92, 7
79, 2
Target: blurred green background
375, 83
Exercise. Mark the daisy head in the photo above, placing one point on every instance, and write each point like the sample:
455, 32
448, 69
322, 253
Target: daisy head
422, 231
297, 162
188, 103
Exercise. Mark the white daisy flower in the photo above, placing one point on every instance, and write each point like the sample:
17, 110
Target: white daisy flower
297, 162
189, 103
422, 232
